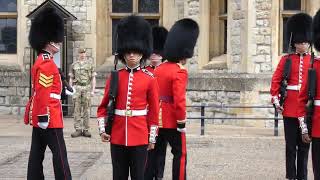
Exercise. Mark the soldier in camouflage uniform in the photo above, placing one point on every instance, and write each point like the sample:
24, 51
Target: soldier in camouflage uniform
82, 78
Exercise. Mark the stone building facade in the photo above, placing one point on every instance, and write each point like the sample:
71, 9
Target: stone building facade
239, 47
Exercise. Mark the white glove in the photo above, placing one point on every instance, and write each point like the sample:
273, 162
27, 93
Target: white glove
303, 126
181, 126
277, 104
43, 125
43, 121
183, 130
70, 93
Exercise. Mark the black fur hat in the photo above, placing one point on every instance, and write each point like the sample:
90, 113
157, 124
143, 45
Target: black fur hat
134, 33
181, 40
46, 27
299, 26
316, 31
159, 34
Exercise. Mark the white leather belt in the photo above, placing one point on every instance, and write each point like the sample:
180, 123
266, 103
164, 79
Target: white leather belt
316, 102
131, 112
55, 96
293, 87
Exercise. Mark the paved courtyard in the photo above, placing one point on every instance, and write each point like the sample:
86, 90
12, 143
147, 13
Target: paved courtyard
224, 153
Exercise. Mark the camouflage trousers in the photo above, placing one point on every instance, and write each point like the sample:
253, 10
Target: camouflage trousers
81, 100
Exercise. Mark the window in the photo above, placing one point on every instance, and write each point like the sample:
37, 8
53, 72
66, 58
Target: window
218, 27
223, 24
149, 9
287, 9
8, 26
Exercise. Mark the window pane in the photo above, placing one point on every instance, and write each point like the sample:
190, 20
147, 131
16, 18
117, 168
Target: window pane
292, 4
8, 5
223, 6
225, 37
8, 36
122, 6
285, 39
148, 6
114, 28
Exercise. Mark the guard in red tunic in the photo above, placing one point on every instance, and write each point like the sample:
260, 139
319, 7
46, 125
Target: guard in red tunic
157, 157
304, 97
172, 79
299, 29
135, 124
43, 110
159, 35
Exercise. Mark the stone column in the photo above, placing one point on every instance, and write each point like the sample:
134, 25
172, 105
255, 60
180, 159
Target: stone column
192, 10
203, 40
236, 35
261, 38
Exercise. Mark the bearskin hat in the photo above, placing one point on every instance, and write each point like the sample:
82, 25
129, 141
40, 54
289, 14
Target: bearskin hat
181, 40
316, 31
46, 27
299, 27
159, 35
134, 33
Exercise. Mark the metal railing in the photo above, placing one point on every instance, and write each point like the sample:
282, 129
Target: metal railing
202, 116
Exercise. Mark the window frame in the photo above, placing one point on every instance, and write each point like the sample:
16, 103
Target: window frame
11, 15
287, 14
223, 19
218, 18
112, 15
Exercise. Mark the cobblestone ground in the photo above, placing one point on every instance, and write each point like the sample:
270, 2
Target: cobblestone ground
224, 153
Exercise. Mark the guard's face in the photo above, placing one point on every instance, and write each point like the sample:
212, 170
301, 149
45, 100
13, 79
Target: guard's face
302, 47
155, 59
183, 61
82, 55
55, 47
132, 58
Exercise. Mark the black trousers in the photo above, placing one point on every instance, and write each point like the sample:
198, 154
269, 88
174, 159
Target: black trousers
125, 158
316, 158
296, 151
41, 138
156, 159
177, 141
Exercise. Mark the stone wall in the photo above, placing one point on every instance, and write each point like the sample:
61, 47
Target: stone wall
14, 89
261, 56
236, 22
192, 10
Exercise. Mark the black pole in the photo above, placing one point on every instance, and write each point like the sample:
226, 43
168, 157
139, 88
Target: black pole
276, 127
202, 119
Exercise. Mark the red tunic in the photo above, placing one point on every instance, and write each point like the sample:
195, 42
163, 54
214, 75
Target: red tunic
303, 98
137, 90
172, 80
299, 68
150, 68
46, 90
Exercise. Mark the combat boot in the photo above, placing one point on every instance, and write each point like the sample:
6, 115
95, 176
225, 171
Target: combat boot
77, 133
86, 133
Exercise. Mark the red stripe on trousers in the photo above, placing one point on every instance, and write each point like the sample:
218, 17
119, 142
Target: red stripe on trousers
183, 157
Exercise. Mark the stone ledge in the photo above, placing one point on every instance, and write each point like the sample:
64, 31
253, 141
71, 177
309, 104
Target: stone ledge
228, 81
7, 67
208, 81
